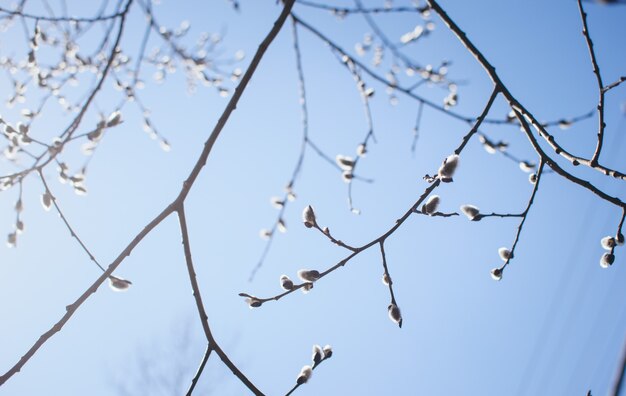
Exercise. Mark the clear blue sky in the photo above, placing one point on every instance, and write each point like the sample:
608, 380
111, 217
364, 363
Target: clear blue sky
554, 325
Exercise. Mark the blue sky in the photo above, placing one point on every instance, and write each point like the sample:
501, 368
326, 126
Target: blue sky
554, 324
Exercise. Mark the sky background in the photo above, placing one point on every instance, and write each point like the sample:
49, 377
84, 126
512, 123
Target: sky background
554, 325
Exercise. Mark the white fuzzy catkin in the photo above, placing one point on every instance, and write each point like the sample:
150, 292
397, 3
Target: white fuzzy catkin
431, 205
447, 169
470, 211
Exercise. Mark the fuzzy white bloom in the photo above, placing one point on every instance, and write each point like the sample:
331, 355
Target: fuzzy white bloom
308, 275
447, 169
277, 202
317, 355
532, 178
307, 287
361, 150
253, 302
505, 253
265, 233
286, 283
471, 211
282, 227
308, 217
46, 200
607, 260
12, 239
394, 314
431, 205
305, 375
608, 242
328, 351
346, 163
119, 284
527, 166
114, 119
496, 274
386, 279
347, 176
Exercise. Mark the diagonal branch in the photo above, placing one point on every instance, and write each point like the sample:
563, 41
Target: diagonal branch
232, 104
200, 305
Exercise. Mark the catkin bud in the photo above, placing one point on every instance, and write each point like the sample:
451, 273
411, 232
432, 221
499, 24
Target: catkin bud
526, 166
471, 211
394, 314
496, 274
344, 162
607, 260
431, 205
608, 242
46, 200
317, 355
447, 169
505, 253
286, 283
114, 119
532, 178
386, 279
305, 375
308, 217
328, 351
119, 284
306, 288
253, 302
308, 275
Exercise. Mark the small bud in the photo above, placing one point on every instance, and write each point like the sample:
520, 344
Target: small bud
19, 206
447, 169
119, 284
253, 302
46, 200
277, 202
532, 178
19, 226
527, 166
282, 227
308, 217
347, 176
431, 205
344, 162
328, 351
608, 242
386, 279
505, 254
305, 375
394, 314
307, 287
619, 239
114, 119
607, 260
326, 231
565, 124
308, 275
265, 233
12, 239
291, 196
471, 211
361, 150
496, 274
286, 283
317, 355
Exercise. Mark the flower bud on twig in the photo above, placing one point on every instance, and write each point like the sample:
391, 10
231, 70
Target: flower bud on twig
308, 275
496, 274
394, 314
308, 217
305, 375
607, 260
447, 169
471, 211
431, 205
286, 283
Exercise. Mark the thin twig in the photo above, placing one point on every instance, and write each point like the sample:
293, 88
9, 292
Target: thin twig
196, 377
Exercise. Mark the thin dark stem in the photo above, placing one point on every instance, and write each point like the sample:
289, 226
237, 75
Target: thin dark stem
601, 91
614, 84
205, 358
525, 215
66, 222
200, 305
59, 19
388, 278
232, 104
416, 129
337, 242
360, 10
